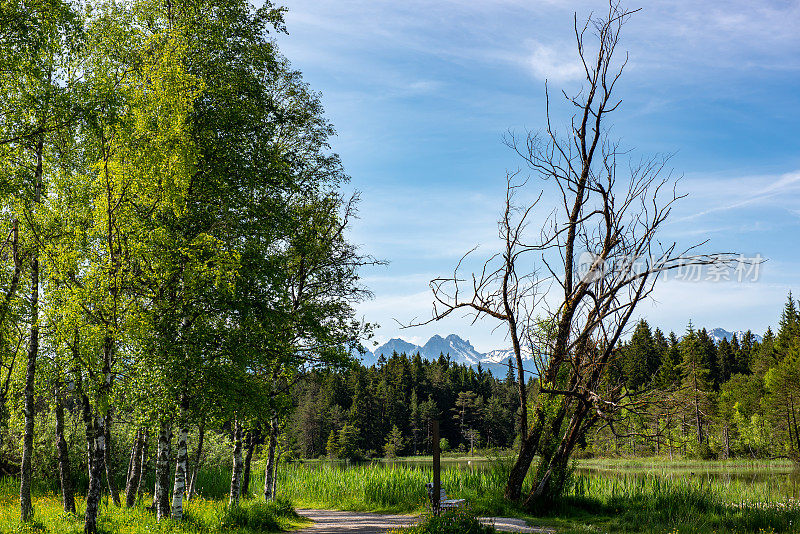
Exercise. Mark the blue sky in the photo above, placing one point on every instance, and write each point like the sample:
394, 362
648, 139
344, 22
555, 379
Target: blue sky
421, 93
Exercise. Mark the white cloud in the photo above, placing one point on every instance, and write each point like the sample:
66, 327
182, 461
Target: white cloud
742, 191
556, 63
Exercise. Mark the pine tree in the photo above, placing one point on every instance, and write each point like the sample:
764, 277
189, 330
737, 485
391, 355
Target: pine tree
727, 363
766, 357
394, 443
744, 356
788, 327
669, 373
641, 360
695, 379
511, 372
414, 422
332, 448
709, 350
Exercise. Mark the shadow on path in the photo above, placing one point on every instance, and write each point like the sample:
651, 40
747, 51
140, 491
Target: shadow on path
339, 522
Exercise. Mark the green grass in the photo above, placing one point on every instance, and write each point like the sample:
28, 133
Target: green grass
635, 496
641, 496
387, 488
202, 516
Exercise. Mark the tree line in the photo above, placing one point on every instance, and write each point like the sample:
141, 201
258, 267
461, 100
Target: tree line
699, 397
173, 242
387, 409
691, 396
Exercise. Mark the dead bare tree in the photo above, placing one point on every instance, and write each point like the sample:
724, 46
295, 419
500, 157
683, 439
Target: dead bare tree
593, 260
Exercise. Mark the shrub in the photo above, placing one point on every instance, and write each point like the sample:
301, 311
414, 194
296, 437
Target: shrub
258, 516
455, 521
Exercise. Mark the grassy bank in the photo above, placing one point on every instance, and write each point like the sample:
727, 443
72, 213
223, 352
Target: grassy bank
202, 516
613, 502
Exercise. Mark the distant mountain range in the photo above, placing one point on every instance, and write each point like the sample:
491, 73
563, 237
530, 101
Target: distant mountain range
461, 351
718, 334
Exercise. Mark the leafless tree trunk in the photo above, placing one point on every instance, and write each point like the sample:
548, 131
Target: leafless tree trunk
88, 422
181, 465
5, 307
95, 476
587, 267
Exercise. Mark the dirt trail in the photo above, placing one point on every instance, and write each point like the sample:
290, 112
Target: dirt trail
338, 522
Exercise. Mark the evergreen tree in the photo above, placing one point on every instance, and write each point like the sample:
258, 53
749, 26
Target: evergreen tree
709, 354
641, 357
727, 363
744, 356
394, 443
788, 327
766, 357
695, 380
669, 374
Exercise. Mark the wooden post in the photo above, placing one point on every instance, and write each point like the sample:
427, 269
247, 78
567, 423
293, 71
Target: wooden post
437, 480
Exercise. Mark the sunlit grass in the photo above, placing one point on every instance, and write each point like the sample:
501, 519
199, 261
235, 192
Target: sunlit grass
201, 516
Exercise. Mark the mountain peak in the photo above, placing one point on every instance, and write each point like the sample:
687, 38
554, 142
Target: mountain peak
459, 350
718, 334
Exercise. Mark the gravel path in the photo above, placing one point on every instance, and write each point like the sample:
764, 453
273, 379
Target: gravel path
338, 522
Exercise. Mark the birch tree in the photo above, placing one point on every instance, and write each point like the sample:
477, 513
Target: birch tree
35, 95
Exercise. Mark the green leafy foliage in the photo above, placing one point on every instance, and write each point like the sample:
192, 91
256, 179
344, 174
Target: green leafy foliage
455, 521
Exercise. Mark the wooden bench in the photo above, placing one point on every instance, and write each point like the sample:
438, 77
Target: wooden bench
444, 502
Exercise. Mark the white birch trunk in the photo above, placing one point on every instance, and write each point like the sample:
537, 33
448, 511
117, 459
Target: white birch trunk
108, 459
181, 463
161, 492
134, 470
197, 460
236, 475
143, 461
93, 495
26, 469
269, 472
275, 475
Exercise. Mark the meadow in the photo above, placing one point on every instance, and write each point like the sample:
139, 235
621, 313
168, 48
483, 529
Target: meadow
644, 495
634, 496
203, 515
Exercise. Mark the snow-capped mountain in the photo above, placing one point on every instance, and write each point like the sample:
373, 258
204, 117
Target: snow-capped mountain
498, 355
397, 345
718, 334
459, 350
502, 355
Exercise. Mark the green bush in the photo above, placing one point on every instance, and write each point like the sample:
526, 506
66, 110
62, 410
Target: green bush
257, 516
455, 521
